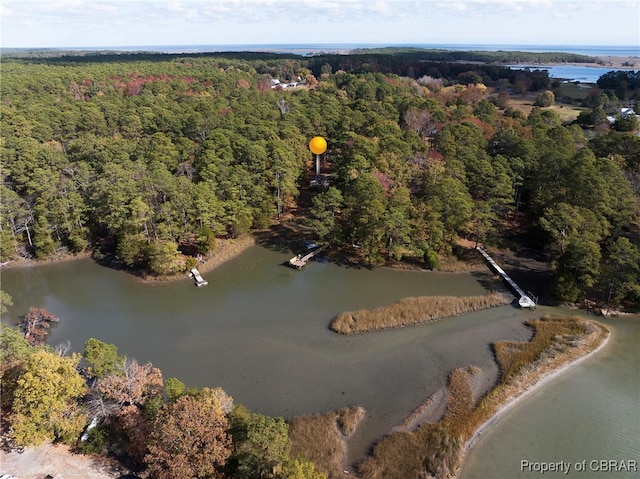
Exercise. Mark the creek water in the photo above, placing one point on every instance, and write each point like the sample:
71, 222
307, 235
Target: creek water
589, 414
260, 331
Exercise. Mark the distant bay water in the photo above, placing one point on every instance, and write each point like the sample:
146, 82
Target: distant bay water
575, 73
571, 73
314, 48
567, 72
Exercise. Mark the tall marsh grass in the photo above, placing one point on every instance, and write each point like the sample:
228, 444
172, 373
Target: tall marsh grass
437, 450
460, 400
430, 451
556, 341
550, 334
413, 310
349, 418
321, 438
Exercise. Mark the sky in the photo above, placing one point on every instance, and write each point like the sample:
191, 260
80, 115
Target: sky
113, 23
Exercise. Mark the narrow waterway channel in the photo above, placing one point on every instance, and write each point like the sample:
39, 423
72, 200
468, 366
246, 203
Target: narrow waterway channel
260, 331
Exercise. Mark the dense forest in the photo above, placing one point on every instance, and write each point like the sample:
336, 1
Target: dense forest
408, 53
148, 160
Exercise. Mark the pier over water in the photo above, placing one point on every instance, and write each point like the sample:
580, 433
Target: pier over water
200, 281
524, 300
300, 261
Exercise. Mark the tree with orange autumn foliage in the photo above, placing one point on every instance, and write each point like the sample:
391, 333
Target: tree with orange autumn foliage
189, 437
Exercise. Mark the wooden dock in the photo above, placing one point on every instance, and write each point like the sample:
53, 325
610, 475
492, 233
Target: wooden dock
200, 281
299, 261
525, 300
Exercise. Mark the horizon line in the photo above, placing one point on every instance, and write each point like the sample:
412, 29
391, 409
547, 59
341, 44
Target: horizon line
337, 44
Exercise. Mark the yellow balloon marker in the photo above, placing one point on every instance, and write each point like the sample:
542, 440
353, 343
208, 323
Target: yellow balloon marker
318, 146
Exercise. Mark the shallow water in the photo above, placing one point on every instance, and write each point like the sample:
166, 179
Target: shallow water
260, 331
590, 413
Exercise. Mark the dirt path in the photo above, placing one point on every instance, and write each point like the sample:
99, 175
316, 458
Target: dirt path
58, 462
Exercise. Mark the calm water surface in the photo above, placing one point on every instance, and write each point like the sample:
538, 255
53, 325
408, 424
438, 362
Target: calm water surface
260, 331
590, 413
572, 73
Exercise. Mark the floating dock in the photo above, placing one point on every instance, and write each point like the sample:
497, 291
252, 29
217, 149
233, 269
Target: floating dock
200, 281
299, 261
525, 300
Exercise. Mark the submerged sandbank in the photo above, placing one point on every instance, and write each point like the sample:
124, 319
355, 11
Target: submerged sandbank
532, 381
435, 438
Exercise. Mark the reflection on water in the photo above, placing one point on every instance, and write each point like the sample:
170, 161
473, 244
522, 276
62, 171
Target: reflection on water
260, 331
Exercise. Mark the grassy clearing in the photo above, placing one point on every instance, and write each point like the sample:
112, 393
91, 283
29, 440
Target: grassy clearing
413, 310
575, 91
450, 264
321, 438
437, 450
566, 112
464, 258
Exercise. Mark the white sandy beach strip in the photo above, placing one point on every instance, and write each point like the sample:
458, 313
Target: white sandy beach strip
528, 390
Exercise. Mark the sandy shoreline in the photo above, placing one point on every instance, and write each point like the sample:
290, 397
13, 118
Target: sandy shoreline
30, 262
519, 395
615, 63
619, 63
432, 409
226, 250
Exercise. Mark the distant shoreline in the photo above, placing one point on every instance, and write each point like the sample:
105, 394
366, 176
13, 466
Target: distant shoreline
615, 63
588, 50
614, 55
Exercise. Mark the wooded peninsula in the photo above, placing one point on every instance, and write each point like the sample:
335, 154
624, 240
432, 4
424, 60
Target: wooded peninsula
152, 162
